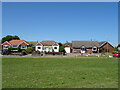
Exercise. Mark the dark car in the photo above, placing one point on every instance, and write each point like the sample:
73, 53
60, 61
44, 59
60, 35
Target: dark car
5, 52
116, 55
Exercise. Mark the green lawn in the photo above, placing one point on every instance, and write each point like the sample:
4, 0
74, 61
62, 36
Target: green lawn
60, 73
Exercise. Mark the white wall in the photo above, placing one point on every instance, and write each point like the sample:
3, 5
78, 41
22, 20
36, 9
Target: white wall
36, 48
56, 50
47, 48
67, 49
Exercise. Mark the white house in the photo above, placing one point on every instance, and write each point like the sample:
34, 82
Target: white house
67, 47
48, 46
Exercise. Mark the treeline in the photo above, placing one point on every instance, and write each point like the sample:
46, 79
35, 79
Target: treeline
9, 37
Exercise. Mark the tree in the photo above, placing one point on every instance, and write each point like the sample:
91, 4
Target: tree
9, 37
61, 49
60, 44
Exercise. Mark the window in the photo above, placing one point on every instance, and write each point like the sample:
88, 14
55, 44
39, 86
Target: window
83, 48
14, 46
94, 48
55, 47
5, 46
39, 47
23, 47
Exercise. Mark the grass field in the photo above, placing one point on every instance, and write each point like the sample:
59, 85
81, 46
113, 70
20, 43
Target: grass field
60, 73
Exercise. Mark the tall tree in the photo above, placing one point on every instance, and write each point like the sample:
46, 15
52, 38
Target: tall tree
61, 47
9, 37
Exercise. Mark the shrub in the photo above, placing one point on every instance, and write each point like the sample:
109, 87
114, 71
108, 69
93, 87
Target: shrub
12, 49
29, 50
114, 52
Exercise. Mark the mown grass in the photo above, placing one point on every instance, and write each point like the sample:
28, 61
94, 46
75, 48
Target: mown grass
60, 73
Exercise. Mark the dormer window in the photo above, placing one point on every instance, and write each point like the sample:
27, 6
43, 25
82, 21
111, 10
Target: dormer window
5, 47
94, 48
83, 48
39, 47
55, 47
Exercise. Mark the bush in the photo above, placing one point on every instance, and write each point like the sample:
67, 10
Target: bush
12, 49
29, 50
114, 52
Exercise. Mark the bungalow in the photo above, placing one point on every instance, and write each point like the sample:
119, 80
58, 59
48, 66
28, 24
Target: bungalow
85, 46
15, 44
48, 46
88, 47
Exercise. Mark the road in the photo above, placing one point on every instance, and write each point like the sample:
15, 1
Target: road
47, 57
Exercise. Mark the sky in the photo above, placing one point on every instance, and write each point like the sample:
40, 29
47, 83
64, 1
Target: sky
61, 21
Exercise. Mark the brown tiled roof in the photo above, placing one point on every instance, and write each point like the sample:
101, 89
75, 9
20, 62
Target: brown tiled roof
32, 42
67, 44
55, 44
16, 42
47, 43
78, 44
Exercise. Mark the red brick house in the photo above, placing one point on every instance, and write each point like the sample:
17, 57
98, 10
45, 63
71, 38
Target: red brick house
15, 44
105, 47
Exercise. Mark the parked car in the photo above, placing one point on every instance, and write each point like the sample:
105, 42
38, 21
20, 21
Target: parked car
116, 55
5, 52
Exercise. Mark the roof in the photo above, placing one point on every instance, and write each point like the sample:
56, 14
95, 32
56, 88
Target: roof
67, 44
16, 42
78, 44
32, 42
47, 43
118, 45
102, 42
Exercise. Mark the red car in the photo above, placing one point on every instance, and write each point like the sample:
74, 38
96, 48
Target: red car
116, 55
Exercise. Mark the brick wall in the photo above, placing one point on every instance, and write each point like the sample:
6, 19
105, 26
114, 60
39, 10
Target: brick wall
107, 46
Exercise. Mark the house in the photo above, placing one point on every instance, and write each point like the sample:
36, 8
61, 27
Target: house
47, 46
91, 47
68, 47
15, 44
85, 46
105, 47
